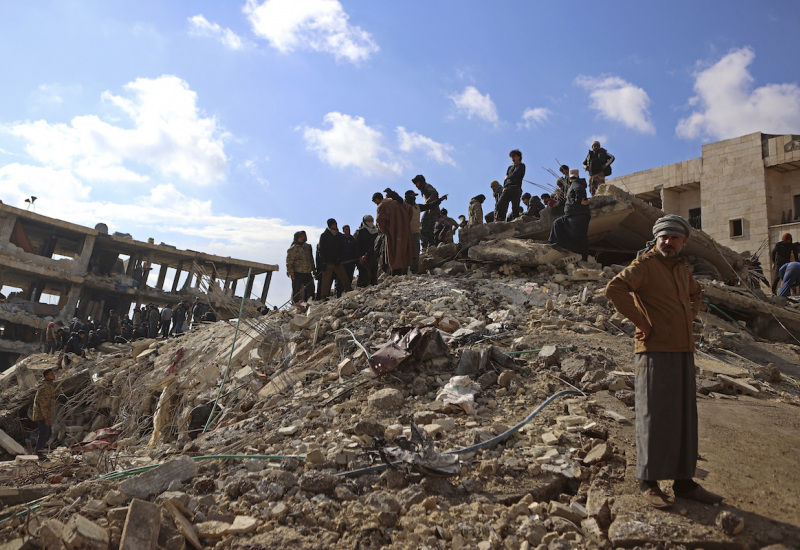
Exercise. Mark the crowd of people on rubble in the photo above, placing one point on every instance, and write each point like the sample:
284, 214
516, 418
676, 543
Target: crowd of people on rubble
148, 322
391, 241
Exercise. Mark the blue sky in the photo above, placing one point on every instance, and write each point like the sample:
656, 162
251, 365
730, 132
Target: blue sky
227, 126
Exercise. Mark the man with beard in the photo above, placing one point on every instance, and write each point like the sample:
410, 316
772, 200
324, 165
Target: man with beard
368, 262
658, 294
300, 268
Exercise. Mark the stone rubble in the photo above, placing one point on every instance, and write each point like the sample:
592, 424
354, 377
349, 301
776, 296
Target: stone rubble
294, 453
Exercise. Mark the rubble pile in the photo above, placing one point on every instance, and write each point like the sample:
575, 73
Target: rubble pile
489, 406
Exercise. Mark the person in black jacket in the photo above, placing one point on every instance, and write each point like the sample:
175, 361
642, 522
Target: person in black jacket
331, 248
782, 254
512, 187
571, 231
368, 261
598, 164
350, 258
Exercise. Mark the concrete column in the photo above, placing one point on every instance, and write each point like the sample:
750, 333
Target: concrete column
7, 228
188, 283
233, 287
249, 286
132, 260
177, 277
264, 292
227, 279
68, 311
670, 201
162, 274
82, 264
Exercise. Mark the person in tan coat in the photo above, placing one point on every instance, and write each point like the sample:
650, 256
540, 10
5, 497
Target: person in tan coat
658, 294
394, 221
44, 407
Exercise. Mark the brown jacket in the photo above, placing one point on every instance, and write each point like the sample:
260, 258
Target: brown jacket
393, 220
44, 403
661, 292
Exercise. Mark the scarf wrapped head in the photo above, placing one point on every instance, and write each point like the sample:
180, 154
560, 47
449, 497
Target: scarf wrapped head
671, 224
368, 226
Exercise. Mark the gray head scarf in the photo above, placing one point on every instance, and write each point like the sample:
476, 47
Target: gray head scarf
671, 224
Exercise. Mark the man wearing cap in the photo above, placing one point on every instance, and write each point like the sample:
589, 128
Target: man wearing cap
512, 187
44, 407
658, 294
331, 248
571, 231
598, 164
431, 196
782, 254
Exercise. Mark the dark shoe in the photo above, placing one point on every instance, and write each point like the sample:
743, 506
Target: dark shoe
700, 495
656, 498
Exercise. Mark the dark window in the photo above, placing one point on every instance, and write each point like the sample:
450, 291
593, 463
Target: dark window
736, 228
694, 218
796, 208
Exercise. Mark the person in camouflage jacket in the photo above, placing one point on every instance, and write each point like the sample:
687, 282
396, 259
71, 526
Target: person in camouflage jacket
44, 407
300, 268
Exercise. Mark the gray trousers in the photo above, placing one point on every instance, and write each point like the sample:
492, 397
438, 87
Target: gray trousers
666, 415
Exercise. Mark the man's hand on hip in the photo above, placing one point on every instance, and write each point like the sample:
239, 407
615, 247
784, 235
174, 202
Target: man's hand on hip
643, 333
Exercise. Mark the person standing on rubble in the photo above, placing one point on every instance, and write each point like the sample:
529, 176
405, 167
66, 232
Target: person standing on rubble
368, 262
659, 295
350, 257
431, 197
394, 221
512, 187
571, 231
112, 325
179, 316
331, 248
44, 409
782, 254
415, 225
153, 318
166, 321
475, 210
598, 164
300, 268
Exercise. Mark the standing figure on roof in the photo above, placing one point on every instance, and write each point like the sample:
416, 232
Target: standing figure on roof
598, 164
512, 187
394, 221
300, 268
659, 295
431, 197
415, 225
331, 249
571, 231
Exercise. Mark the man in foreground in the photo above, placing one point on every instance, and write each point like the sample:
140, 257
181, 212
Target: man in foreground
658, 294
44, 406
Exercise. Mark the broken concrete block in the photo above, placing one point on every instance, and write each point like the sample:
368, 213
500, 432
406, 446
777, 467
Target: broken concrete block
386, 399
574, 368
141, 526
732, 386
586, 275
158, 480
506, 377
346, 367
243, 525
184, 526
561, 510
212, 529
8, 443
549, 355
469, 363
514, 251
598, 453
51, 533
83, 534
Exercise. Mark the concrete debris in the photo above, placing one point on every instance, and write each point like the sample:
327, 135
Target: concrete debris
292, 451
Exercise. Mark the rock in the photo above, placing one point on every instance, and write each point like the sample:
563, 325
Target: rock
212, 529
82, 534
730, 523
733, 386
625, 532
278, 510
347, 367
158, 479
574, 368
770, 373
141, 526
386, 399
514, 251
317, 482
598, 453
549, 355
315, 457
626, 396
52, 533
242, 525
561, 510
469, 362
382, 502
184, 526
506, 377
369, 427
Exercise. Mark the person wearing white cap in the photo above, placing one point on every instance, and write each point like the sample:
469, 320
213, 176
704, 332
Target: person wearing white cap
659, 295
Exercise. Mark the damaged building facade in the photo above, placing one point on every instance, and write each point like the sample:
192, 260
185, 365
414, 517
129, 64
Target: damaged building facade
91, 272
743, 192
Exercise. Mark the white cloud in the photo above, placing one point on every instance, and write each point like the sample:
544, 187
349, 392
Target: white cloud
318, 25
167, 134
729, 106
54, 94
619, 100
409, 141
350, 142
602, 138
200, 26
535, 117
472, 103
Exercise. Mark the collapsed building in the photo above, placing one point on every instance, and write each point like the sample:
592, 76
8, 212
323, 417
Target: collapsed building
486, 405
90, 272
